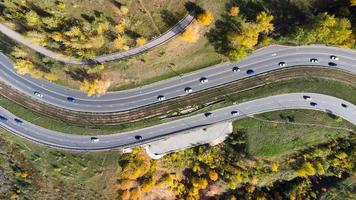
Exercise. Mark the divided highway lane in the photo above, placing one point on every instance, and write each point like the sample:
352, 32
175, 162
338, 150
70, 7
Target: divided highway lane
265, 60
174, 31
55, 139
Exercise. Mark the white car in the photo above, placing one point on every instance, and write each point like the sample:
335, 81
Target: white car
94, 139
282, 64
188, 90
314, 60
203, 80
334, 57
38, 94
161, 98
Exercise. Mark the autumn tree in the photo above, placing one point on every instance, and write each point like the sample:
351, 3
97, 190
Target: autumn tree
234, 11
274, 167
97, 86
141, 41
120, 43
213, 175
190, 34
23, 66
205, 18
306, 170
32, 18
326, 29
353, 2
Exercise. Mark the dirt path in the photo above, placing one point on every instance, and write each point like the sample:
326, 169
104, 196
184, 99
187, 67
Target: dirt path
150, 16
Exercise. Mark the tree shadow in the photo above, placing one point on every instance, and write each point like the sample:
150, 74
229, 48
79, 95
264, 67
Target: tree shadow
81, 74
169, 18
193, 8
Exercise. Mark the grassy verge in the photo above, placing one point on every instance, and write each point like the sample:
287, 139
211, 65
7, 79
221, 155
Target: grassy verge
279, 133
54, 173
328, 87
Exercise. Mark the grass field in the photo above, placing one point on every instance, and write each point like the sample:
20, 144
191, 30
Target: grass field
57, 173
333, 88
279, 133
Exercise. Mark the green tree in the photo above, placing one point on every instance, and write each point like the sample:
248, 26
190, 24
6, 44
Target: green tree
32, 18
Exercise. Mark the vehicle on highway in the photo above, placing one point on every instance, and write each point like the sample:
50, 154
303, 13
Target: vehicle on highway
161, 98
188, 90
2, 118
306, 97
314, 60
94, 139
332, 57
250, 72
344, 105
138, 137
332, 64
203, 80
71, 99
208, 114
38, 94
282, 64
313, 104
234, 113
236, 69
19, 121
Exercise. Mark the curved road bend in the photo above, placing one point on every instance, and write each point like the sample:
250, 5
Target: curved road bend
54, 139
264, 60
174, 31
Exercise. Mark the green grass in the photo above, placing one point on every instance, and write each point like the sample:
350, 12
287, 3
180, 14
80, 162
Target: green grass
78, 175
274, 135
323, 86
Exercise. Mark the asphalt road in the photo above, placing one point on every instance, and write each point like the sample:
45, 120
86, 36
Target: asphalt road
262, 61
120, 140
174, 31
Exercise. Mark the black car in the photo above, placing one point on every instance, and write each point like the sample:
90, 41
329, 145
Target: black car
2, 118
235, 69
250, 72
138, 137
71, 99
19, 121
332, 64
208, 114
313, 104
344, 105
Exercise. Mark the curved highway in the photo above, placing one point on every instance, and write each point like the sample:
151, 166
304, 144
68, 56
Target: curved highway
54, 139
174, 31
264, 60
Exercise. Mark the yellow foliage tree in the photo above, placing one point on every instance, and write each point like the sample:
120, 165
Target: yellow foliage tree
141, 41
136, 194
306, 170
234, 11
213, 175
353, 2
23, 66
200, 183
24, 174
19, 53
264, 22
205, 18
148, 184
274, 167
190, 34
32, 18
120, 43
98, 87
120, 27
126, 184
124, 9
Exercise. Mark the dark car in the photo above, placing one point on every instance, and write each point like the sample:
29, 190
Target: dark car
2, 118
332, 64
306, 97
138, 137
19, 121
344, 105
250, 72
71, 99
235, 69
208, 114
313, 104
